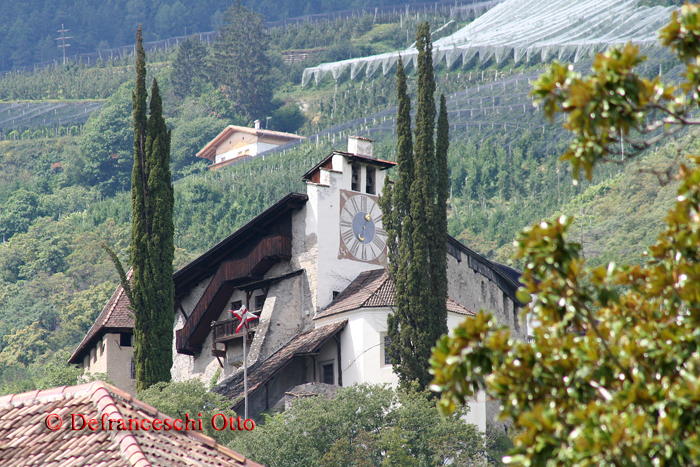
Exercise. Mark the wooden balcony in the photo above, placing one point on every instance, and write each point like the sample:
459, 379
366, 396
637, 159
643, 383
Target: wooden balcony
252, 266
225, 330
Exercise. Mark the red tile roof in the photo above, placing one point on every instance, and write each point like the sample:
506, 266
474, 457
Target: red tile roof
115, 317
304, 343
25, 439
374, 289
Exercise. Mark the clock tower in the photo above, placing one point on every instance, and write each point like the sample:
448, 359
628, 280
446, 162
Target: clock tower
343, 214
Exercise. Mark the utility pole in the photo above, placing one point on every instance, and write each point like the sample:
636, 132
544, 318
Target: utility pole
63, 38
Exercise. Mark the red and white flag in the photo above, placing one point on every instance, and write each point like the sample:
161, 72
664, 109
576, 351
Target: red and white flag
244, 316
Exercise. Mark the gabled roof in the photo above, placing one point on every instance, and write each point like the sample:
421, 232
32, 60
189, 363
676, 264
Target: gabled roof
373, 289
114, 317
325, 163
504, 276
209, 150
260, 373
25, 439
208, 262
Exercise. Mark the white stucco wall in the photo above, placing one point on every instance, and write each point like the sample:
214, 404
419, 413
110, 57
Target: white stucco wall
109, 357
323, 221
362, 353
253, 150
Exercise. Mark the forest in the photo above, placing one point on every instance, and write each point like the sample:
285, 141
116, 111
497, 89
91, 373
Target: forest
64, 186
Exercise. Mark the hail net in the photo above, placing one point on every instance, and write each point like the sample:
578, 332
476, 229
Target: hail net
525, 30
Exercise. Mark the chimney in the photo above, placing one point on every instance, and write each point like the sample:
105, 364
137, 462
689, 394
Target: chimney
360, 145
257, 124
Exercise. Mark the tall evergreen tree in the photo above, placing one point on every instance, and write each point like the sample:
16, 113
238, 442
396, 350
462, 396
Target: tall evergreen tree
438, 221
188, 65
417, 230
240, 63
138, 250
151, 292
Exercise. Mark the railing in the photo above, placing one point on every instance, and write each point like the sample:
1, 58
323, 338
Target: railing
225, 330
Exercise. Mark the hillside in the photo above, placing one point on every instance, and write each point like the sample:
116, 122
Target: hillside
63, 185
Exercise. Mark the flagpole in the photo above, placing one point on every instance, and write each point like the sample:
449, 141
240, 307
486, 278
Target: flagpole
245, 369
245, 317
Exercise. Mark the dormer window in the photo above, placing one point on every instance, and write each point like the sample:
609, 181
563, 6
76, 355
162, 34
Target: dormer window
370, 182
355, 183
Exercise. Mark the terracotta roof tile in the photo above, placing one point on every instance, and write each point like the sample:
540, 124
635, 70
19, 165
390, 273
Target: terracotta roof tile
26, 441
114, 316
260, 373
374, 289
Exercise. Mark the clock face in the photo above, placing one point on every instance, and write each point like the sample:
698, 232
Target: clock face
361, 230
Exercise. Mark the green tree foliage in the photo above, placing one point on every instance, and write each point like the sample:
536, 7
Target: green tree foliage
187, 66
152, 292
415, 214
363, 426
288, 119
240, 64
104, 159
610, 377
189, 137
191, 397
19, 210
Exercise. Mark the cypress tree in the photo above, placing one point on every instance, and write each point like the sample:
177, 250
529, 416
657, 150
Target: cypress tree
159, 270
438, 222
417, 230
138, 250
151, 292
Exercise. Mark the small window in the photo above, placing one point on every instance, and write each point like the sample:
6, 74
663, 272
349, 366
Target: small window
259, 302
125, 339
236, 305
370, 185
483, 290
327, 373
247, 152
387, 356
132, 366
355, 184
335, 294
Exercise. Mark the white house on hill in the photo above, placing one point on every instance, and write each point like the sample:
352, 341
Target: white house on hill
235, 143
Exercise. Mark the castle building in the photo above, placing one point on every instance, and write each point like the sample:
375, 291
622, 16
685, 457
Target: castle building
312, 266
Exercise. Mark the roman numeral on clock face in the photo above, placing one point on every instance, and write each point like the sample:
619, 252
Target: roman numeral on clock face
363, 204
353, 249
348, 237
378, 242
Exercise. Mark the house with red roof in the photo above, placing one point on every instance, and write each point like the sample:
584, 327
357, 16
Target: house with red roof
84, 426
236, 143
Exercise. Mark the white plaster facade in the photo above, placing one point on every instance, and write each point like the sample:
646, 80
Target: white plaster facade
363, 353
113, 359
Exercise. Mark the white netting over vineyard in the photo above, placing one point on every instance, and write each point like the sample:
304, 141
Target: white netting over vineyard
526, 30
